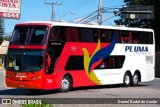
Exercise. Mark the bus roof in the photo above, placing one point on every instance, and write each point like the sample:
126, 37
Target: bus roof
49, 23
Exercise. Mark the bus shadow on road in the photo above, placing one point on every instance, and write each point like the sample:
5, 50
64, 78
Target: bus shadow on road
25, 92
45, 92
13, 92
106, 87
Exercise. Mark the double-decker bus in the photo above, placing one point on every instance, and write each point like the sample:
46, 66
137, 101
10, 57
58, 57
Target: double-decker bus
55, 55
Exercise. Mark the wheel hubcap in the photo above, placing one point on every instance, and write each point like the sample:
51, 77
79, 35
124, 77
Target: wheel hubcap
127, 79
65, 84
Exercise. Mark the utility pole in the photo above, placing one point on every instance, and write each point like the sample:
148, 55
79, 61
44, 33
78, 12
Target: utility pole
52, 4
100, 12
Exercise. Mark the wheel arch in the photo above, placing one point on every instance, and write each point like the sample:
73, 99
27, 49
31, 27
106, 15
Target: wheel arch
128, 71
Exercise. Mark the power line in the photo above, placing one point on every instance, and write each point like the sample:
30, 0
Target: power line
77, 6
52, 4
91, 19
81, 17
73, 5
87, 17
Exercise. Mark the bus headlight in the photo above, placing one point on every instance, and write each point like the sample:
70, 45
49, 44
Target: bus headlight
7, 76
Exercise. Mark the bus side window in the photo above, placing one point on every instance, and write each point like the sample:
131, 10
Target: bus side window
147, 38
110, 35
95, 35
86, 35
103, 35
54, 35
103, 65
136, 37
72, 34
99, 32
112, 62
150, 38
126, 37
117, 34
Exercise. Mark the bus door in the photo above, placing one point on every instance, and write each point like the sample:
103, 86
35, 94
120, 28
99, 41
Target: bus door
53, 52
55, 45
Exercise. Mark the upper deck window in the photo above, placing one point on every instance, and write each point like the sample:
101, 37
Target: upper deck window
29, 35
38, 35
139, 37
19, 35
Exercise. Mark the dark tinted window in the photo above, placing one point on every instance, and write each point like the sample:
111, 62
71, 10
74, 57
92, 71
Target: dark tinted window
126, 37
38, 35
86, 35
142, 37
78, 34
72, 34
24, 60
75, 63
29, 35
112, 62
19, 35
117, 34
147, 38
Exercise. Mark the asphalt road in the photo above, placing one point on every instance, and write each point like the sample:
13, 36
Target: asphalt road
143, 90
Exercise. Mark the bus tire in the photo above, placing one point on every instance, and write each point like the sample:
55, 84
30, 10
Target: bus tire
135, 79
127, 79
66, 84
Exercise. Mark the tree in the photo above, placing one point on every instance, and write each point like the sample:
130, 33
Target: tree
144, 23
2, 30
134, 22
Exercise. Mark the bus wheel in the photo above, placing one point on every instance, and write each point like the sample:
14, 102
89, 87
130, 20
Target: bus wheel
66, 84
135, 79
127, 79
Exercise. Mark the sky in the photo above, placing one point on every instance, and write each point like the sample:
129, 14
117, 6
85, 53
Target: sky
36, 10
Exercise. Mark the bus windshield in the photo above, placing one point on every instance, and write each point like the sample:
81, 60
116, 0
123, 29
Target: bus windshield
29, 35
24, 60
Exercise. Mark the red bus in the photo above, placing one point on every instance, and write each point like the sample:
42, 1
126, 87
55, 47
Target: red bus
54, 55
